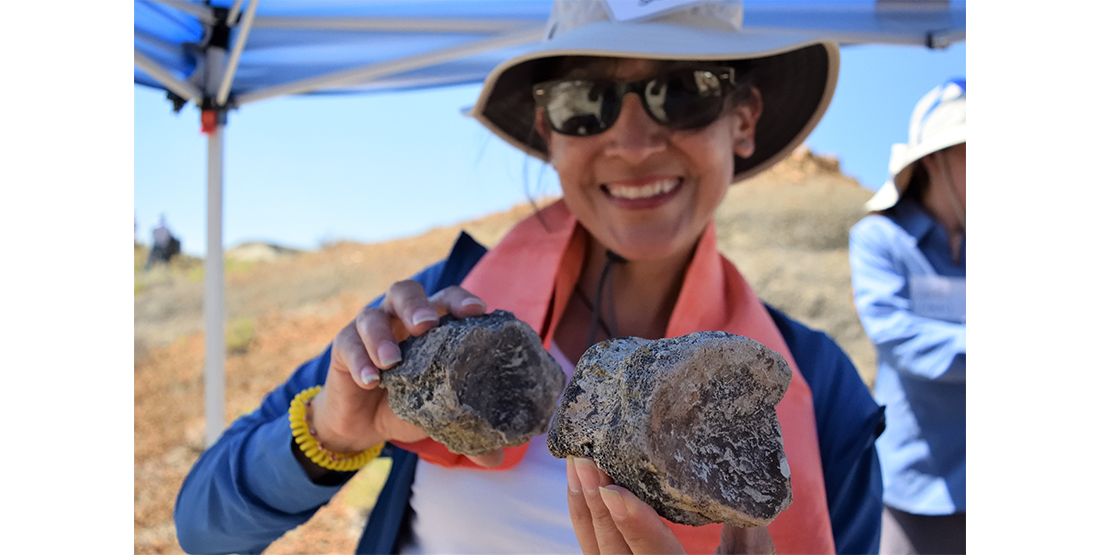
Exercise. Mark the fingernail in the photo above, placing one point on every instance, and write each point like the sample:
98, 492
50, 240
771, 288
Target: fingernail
473, 302
571, 476
368, 376
586, 473
388, 353
614, 502
424, 315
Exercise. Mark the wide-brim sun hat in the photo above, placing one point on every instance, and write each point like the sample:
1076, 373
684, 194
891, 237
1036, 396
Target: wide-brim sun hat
796, 74
938, 122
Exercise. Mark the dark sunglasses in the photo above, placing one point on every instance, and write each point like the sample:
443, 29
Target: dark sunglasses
679, 99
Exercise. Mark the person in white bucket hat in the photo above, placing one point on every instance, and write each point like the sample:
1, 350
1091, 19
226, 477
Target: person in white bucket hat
938, 123
908, 262
647, 111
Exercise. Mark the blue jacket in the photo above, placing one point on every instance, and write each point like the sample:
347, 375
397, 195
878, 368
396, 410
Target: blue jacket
247, 490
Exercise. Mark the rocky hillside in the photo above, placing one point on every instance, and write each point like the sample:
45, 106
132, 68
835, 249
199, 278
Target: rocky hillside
786, 230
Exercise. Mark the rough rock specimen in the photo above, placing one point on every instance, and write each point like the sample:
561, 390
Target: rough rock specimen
476, 384
687, 424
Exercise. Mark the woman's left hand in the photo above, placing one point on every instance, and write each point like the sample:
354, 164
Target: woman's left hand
609, 519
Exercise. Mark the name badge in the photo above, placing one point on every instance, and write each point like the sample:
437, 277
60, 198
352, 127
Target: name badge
939, 297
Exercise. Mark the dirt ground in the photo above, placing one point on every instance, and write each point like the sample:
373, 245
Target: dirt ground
786, 230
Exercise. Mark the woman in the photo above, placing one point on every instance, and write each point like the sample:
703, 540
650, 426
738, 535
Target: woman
647, 118
909, 281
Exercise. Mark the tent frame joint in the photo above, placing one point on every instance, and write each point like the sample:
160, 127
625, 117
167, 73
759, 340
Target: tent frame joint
219, 31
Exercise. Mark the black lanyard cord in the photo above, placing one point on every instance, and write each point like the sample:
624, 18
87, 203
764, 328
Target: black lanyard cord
596, 307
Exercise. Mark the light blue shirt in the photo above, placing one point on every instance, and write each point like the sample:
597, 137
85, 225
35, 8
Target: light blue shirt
911, 299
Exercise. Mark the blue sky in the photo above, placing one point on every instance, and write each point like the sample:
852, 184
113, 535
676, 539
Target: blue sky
304, 170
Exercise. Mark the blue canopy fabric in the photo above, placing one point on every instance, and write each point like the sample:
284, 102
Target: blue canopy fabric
223, 54
349, 46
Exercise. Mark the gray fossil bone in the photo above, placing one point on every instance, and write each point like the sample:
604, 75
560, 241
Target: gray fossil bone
476, 384
688, 424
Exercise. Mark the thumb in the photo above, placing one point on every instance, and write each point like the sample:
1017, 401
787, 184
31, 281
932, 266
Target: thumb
737, 540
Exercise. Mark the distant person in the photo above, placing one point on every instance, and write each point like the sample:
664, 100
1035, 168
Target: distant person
909, 280
165, 245
647, 121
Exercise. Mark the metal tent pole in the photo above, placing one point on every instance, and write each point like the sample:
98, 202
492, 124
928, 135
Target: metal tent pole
214, 290
364, 74
183, 89
213, 125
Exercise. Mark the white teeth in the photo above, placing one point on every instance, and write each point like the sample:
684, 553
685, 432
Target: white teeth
644, 191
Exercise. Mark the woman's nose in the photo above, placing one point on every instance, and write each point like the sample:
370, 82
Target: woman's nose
635, 136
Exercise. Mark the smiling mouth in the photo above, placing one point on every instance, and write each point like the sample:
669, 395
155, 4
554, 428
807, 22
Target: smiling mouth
640, 192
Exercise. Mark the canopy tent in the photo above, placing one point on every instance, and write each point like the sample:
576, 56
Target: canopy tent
223, 54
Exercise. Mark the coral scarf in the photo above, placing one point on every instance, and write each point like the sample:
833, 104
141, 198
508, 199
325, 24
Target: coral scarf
532, 273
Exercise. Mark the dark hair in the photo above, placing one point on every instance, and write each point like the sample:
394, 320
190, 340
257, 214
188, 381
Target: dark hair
918, 182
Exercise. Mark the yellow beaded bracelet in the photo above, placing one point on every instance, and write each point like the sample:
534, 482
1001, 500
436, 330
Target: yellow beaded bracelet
306, 438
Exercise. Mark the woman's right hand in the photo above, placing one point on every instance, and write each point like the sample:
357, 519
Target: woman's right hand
610, 519
351, 413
